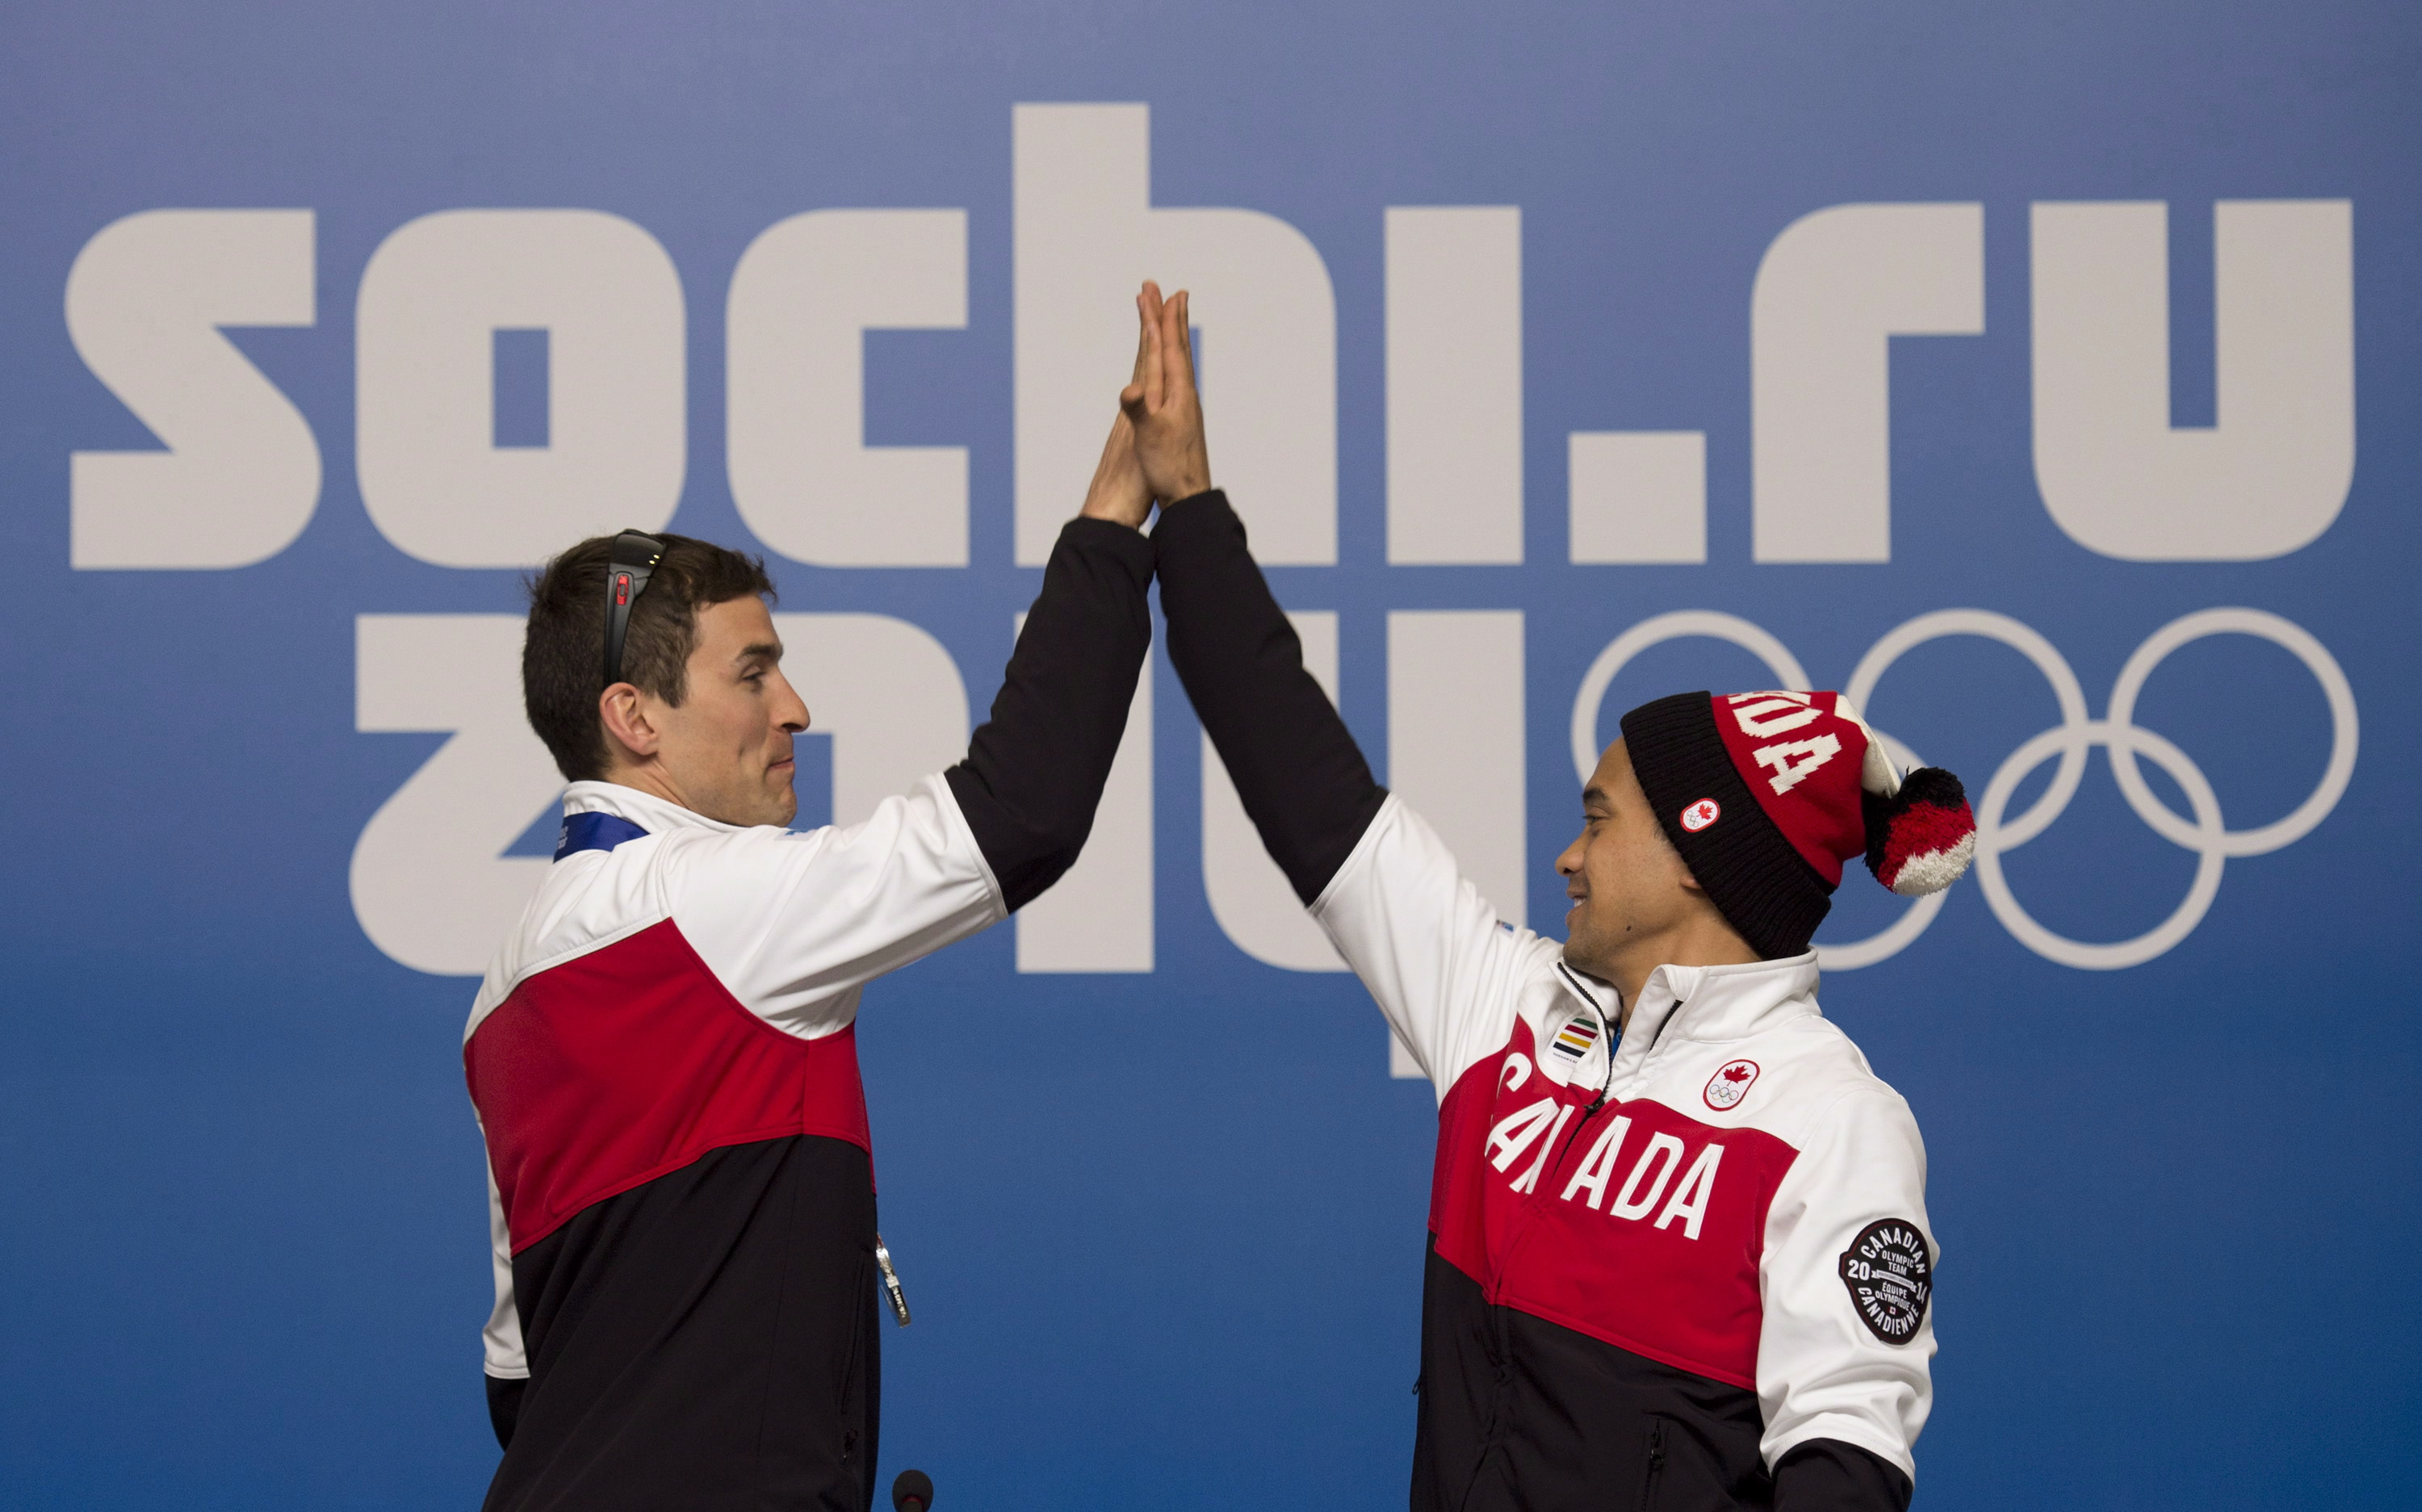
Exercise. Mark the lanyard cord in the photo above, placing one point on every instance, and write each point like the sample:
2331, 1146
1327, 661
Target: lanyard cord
1608, 1032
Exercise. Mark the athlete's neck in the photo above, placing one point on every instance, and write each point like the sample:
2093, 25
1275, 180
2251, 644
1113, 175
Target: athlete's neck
1702, 941
650, 777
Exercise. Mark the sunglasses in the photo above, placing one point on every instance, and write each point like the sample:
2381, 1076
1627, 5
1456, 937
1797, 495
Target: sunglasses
632, 562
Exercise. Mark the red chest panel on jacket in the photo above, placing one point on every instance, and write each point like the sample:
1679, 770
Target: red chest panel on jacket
631, 1061
1638, 1224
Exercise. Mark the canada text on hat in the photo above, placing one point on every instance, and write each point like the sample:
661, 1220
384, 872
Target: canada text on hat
1766, 794
1823, 777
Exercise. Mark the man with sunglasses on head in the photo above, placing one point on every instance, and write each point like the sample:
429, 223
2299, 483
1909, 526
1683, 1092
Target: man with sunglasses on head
662, 1057
1678, 1251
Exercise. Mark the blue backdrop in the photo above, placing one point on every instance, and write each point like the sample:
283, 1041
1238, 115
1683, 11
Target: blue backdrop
1162, 1227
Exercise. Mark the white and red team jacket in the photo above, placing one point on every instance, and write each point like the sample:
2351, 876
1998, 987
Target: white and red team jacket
1685, 1265
663, 1059
1725, 1186
689, 987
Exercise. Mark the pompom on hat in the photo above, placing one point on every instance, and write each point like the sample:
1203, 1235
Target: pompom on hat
1766, 795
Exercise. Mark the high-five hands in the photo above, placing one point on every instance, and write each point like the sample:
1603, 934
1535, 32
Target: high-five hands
1119, 491
1161, 406
1155, 450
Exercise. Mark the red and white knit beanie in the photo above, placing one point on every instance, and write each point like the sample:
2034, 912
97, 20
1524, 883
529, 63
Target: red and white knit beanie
1766, 795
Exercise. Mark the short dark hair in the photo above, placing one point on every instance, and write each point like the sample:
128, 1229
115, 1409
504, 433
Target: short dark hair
563, 653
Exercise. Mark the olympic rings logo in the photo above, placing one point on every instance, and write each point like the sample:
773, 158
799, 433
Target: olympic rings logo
2204, 833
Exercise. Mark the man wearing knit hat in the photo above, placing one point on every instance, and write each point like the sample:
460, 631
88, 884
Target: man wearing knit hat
1678, 1252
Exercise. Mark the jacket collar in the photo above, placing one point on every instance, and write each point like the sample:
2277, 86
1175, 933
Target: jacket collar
1586, 989
651, 813
1716, 1004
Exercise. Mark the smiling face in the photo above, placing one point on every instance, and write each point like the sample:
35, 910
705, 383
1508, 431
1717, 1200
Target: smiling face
1633, 898
725, 750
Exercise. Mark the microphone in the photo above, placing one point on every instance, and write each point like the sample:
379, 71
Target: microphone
912, 1492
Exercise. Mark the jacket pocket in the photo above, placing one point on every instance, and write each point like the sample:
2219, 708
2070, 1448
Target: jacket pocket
1652, 1470
854, 1380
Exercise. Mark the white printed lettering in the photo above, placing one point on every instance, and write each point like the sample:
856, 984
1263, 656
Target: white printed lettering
804, 297
1454, 382
1530, 1181
432, 886
1690, 1202
1598, 1167
239, 476
1637, 496
435, 292
1832, 292
2272, 472
1793, 760
1456, 742
1777, 714
1514, 1136
1664, 1152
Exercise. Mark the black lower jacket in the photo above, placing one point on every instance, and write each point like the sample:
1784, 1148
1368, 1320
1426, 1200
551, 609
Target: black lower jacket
1517, 1413
707, 1340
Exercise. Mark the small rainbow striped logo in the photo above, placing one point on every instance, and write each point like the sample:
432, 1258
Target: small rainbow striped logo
1575, 1039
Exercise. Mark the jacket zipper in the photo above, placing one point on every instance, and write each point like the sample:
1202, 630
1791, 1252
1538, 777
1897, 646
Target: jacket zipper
1608, 1039
1533, 1200
1548, 1174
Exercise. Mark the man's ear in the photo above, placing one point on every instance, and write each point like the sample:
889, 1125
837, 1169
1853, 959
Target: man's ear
1690, 883
624, 714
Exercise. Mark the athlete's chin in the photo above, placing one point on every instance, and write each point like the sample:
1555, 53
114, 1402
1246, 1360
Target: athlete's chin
1581, 951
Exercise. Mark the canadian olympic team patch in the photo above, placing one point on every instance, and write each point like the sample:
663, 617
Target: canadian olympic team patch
1730, 1084
1889, 1272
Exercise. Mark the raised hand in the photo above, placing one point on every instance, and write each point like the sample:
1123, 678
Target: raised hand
1161, 405
1119, 491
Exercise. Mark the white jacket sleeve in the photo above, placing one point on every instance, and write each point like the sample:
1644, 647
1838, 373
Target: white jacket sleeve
1446, 971
1847, 1284
792, 922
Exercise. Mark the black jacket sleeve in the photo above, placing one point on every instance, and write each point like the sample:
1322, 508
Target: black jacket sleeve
1303, 780
504, 1407
1034, 770
1828, 1475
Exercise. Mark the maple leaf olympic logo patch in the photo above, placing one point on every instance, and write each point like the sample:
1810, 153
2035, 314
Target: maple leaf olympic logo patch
1889, 1272
1701, 815
1730, 1084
